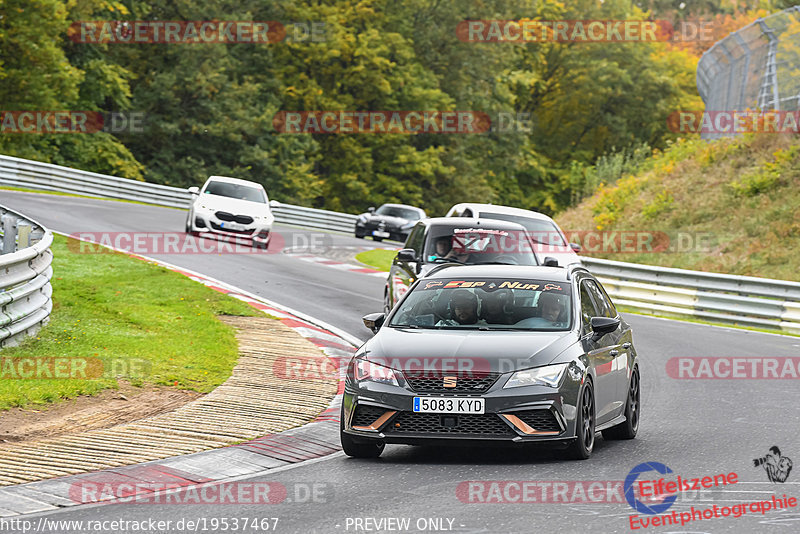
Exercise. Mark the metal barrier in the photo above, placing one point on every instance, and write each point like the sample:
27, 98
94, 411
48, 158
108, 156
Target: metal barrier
29, 174
25, 273
44, 176
754, 67
724, 298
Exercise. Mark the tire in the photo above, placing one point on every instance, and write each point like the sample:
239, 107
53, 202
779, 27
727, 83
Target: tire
359, 236
628, 428
582, 447
188, 226
378, 239
353, 449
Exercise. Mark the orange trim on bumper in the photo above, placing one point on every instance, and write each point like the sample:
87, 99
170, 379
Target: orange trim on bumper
377, 423
525, 428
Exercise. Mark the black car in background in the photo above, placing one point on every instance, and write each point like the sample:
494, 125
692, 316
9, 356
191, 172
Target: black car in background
390, 221
459, 240
494, 353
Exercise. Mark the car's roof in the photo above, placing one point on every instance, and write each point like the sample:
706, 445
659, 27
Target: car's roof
402, 206
228, 179
469, 222
507, 210
537, 272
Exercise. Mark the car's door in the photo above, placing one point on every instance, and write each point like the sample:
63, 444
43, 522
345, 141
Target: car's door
620, 340
404, 273
602, 352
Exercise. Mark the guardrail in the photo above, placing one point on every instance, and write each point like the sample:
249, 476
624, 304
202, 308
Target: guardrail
724, 298
30, 174
25, 273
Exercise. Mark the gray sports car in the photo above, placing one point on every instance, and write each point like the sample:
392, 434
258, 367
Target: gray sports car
494, 353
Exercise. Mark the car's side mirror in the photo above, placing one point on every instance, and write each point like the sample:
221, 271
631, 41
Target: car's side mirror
575, 247
371, 209
549, 261
274, 204
604, 325
407, 255
374, 321
194, 190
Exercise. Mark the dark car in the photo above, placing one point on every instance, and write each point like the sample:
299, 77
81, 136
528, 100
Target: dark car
459, 240
390, 221
494, 353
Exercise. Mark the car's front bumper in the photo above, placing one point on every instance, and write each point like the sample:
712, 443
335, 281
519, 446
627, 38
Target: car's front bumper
205, 222
395, 234
515, 415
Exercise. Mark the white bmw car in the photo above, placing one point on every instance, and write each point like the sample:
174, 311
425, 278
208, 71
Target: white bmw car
231, 207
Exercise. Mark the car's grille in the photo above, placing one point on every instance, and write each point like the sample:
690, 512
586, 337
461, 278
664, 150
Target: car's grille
366, 415
433, 423
215, 226
541, 420
434, 382
241, 219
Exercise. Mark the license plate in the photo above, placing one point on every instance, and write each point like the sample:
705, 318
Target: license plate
378, 233
448, 405
231, 226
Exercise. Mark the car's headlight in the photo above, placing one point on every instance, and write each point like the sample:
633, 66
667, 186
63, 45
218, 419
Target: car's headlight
549, 375
408, 226
366, 370
361, 219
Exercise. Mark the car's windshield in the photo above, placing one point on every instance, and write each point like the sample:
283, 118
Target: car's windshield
472, 246
486, 304
396, 211
242, 192
543, 232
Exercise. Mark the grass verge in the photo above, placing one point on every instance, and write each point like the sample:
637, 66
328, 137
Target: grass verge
378, 258
123, 318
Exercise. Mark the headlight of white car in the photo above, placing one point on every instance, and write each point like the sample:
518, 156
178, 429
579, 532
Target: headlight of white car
549, 375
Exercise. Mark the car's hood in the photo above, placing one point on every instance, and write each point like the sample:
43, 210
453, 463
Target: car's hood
498, 351
233, 205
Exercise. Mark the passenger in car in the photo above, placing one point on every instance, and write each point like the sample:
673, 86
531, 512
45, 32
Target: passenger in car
552, 307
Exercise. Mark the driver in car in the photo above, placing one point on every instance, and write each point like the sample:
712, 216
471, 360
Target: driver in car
443, 247
463, 309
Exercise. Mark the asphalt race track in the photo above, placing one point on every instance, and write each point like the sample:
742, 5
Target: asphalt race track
697, 428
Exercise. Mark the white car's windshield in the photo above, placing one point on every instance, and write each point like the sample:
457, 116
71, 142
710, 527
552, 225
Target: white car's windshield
486, 304
242, 192
543, 232
473, 246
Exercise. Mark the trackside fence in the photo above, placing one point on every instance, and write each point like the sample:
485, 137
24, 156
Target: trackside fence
737, 300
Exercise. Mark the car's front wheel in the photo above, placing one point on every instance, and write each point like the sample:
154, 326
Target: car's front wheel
582, 447
359, 449
628, 428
